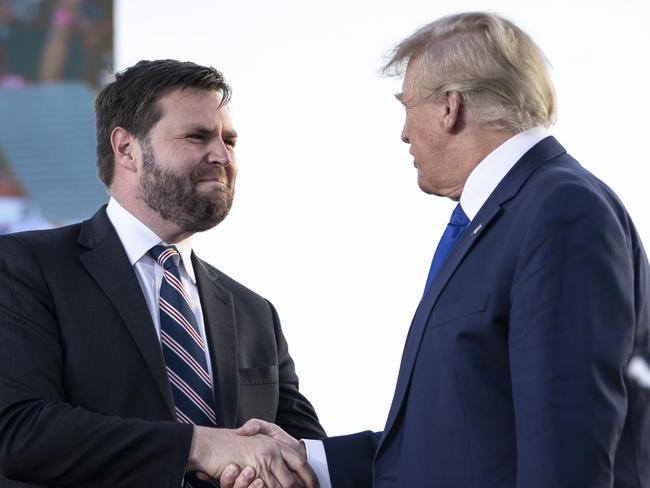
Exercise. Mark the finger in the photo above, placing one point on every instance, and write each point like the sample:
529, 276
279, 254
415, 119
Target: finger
246, 479
268, 479
267, 428
272, 482
258, 483
298, 464
228, 476
283, 474
252, 427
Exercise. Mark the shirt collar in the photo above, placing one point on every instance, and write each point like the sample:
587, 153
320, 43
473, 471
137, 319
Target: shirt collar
137, 238
483, 179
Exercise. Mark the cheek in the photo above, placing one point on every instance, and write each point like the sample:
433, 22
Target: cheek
417, 132
421, 146
426, 160
231, 169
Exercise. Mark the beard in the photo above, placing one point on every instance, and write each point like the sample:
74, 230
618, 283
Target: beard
176, 199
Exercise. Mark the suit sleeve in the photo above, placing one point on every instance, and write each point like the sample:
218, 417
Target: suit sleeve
43, 438
295, 414
350, 457
572, 332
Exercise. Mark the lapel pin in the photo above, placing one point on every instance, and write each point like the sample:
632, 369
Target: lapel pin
478, 227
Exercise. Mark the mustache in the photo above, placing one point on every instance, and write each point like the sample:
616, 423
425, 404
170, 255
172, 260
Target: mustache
209, 173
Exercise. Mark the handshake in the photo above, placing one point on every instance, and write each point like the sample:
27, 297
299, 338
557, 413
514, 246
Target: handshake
258, 454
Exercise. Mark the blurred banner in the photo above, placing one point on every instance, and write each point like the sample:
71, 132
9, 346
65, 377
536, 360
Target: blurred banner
54, 55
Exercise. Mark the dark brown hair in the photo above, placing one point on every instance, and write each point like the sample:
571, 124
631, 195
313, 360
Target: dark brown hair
131, 100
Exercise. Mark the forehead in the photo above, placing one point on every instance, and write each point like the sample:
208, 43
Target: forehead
413, 81
191, 106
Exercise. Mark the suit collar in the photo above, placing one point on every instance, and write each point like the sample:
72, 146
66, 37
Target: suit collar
507, 189
106, 259
487, 175
220, 327
137, 238
107, 262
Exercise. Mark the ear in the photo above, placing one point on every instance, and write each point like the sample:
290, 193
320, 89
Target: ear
453, 111
124, 149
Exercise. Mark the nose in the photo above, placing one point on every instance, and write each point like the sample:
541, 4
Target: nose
218, 153
404, 136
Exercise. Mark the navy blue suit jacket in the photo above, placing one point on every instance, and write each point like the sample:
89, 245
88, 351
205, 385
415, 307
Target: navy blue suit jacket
514, 369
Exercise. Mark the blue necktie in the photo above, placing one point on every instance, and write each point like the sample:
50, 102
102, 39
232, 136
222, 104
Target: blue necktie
184, 351
457, 224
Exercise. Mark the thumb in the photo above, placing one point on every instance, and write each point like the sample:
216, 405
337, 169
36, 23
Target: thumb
300, 466
252, 427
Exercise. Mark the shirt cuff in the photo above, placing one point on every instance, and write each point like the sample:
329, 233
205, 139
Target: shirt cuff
318, 461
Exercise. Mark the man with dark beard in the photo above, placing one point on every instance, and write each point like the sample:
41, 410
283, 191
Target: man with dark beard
125, 360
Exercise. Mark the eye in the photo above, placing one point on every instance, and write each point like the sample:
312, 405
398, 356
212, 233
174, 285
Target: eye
195, 137
230, 143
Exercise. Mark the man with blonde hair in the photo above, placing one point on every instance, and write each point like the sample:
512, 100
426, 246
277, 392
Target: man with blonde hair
515, 369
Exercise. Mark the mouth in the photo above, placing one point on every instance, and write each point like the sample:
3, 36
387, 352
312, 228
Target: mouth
211, 177
213, 182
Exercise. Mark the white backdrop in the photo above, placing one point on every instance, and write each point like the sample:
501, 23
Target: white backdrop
328, 221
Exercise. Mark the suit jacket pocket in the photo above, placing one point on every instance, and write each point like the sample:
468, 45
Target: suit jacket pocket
259, 394
452, 310
266, 375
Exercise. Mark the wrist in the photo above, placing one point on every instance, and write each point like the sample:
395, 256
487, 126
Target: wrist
197, 449
210, 450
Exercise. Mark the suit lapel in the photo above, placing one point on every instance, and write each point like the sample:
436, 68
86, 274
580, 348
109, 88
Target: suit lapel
107, 262
489, 212
220, 326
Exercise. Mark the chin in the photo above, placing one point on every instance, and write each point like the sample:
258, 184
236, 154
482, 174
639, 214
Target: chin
430, 189
425, 188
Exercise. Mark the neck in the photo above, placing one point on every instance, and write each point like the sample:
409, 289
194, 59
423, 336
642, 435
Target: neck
473, 148
166, 230
483, 141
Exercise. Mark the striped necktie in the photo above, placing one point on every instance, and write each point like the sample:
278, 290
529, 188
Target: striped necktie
457, 224
184, 350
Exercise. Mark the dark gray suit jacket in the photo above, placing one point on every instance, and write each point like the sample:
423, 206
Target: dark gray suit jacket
84, 395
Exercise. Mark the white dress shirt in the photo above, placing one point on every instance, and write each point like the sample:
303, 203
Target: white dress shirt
487, 175
137, 239
480, 183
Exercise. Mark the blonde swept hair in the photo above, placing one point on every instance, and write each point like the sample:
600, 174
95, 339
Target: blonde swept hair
501, 74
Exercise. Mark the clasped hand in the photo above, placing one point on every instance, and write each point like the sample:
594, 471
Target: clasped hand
269, 457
